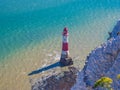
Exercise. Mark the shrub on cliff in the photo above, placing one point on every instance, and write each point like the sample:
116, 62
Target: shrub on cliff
104, 82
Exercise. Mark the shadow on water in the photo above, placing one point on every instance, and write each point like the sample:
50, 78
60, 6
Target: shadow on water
46, 68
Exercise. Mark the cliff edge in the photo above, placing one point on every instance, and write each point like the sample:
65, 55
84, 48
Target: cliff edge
103, 61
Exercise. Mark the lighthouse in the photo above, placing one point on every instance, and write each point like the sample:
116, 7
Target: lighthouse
65, 59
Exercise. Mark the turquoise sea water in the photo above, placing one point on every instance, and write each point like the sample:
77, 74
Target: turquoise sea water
26, 22
30, 33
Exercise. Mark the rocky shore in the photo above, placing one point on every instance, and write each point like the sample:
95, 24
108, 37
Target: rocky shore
61, 81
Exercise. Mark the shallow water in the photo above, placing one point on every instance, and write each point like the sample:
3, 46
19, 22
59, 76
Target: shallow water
30, 34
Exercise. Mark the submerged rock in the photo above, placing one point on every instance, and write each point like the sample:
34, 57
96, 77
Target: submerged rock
103, 61
61, 81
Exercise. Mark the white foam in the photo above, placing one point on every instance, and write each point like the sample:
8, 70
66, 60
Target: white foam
57, 57
43, 65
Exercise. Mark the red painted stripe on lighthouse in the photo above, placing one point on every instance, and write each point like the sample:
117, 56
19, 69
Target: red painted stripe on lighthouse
65, 32
65, 47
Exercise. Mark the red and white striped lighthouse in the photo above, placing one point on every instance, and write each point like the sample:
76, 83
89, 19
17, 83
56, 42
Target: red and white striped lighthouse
65, 48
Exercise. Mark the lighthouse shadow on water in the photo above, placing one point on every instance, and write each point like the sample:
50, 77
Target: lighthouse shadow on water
65, 60
57, 64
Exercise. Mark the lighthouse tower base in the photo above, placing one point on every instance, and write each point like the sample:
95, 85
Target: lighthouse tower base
66, 61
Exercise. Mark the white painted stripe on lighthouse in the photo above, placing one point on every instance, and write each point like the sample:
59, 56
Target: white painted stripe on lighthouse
65, 39
65, 52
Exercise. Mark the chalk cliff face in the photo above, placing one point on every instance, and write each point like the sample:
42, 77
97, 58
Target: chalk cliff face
116, 29
103, 61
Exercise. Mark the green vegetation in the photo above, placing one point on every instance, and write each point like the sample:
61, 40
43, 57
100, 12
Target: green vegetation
104, 82
118, 76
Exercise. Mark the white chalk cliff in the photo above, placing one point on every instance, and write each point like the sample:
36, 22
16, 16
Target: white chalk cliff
103, 61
